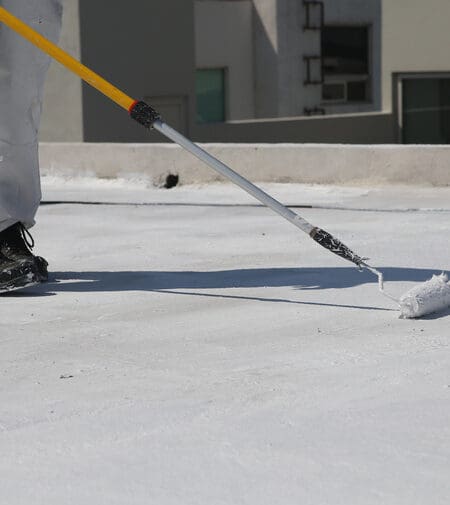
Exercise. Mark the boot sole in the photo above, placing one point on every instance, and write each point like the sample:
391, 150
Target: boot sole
24, 281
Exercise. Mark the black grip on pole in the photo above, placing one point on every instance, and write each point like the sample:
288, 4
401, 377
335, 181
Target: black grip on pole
334, 245
144, 114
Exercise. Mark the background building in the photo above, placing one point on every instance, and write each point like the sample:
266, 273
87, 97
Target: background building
363, 71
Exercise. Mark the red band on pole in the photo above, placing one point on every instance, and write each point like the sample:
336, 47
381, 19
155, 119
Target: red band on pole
132, 106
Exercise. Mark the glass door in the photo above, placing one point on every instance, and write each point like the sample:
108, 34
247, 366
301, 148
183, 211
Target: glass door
426, 110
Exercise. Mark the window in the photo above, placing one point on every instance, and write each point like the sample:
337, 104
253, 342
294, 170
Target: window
210, 91
345, 57
426, 110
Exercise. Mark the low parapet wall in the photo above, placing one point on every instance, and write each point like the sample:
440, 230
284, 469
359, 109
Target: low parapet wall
301, 163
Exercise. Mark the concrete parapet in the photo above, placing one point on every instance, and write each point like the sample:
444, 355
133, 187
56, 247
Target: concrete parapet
301, 163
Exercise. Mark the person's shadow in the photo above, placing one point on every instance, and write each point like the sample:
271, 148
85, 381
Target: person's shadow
183, 282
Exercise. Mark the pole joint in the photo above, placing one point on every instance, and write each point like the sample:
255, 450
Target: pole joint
144, 114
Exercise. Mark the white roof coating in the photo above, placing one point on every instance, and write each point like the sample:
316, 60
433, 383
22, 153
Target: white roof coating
204, 351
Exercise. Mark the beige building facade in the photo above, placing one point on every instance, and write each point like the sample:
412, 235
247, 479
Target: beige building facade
374, 71
62, 118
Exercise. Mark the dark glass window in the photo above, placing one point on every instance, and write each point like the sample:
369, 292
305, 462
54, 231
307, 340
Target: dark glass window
426, 111
210, 91
345, 49
345, 60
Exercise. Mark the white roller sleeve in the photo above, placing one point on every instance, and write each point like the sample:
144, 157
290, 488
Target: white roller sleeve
429, 297
22, 74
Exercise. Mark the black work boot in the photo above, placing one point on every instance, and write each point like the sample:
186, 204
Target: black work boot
18, 266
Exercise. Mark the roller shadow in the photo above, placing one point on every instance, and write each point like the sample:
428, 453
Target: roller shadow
173, 282
296, 278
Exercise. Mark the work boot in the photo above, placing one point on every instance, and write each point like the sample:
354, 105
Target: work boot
18, 266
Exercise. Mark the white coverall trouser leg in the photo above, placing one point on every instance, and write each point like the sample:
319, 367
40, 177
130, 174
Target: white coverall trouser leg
22, 74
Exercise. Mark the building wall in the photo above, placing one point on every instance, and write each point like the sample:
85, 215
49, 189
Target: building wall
148, 52
280, 95
365, 128
62, 118
415, 38
261, 41
281, 44
360, 13
293, 45
279, 48
223, 39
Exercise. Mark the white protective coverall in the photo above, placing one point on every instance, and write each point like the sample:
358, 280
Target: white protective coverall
22, 74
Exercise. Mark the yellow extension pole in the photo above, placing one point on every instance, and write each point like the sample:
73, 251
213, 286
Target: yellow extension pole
65, 59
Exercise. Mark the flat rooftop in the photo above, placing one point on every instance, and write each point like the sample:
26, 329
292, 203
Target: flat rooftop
192, 347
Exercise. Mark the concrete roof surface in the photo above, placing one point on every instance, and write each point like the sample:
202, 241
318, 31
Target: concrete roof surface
204, 351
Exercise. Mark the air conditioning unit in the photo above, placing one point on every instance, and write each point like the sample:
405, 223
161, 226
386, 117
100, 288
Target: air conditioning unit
334, 92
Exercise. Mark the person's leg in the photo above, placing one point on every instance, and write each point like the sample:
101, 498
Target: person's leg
22, 74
